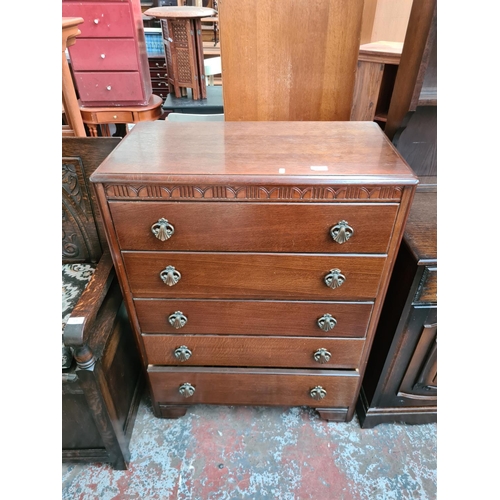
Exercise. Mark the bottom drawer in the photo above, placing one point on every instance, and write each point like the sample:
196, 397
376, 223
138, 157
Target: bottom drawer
251, 386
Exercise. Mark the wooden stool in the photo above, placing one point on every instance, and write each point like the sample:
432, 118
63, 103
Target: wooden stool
94, 116
181, 28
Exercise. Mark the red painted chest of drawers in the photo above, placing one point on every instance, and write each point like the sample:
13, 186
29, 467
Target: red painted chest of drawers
109, 60
254, 256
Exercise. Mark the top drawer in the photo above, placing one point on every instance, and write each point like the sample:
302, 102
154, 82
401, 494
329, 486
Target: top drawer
253, 227
101, 19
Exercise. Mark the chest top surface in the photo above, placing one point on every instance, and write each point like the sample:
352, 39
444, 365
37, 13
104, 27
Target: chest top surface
253, 152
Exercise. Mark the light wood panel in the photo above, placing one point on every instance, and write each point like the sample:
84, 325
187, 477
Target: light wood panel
385, 20
289, 60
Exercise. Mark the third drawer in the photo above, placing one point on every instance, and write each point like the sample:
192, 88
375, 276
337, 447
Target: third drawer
278, 352
264, 317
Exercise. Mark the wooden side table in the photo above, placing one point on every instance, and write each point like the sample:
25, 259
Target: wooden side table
75, 126
181, 28
103, 116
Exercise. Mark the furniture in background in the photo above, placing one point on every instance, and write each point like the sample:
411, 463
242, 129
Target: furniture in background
264, 285
181, 28
213, 103
385, 20
400, 383
375, 75
187, 117
213, 66
94, 116
279, 67
415, 82
74, 125
110, 63
102, 379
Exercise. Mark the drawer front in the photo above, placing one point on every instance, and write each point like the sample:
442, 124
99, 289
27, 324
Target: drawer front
101, 19
279, 352
254, 227
160, 85
109, 86
233, 275
253, 386
115, 117
236, 317
158, 63
118, 54
158, 74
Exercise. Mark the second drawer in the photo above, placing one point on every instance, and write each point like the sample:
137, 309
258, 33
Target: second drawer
259, 276
278, 352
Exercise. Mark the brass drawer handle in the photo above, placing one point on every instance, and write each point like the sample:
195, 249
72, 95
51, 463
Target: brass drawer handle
186, 390
182, 353
322, 355
177, 319
170, 276
317, 393
334, 278
327, 322
341, 232
162, 229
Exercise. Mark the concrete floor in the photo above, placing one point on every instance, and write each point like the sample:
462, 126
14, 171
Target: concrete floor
240, 453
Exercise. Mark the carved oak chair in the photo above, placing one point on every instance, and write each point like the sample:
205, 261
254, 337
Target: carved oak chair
101, 373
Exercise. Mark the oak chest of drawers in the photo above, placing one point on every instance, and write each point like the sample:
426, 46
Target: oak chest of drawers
254, 257
109, 60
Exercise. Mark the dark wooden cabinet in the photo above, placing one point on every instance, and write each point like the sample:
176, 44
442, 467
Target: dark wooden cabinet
254, 257
400, 382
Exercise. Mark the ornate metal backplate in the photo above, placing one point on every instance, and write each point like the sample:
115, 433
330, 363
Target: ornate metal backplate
162, 229
318, 393
177, 319
327, 322
341, 232
187, 390
182, 353
322, 355
334, 278
170, 276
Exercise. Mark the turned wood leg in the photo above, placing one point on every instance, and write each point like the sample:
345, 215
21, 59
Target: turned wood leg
105, 132
170, 411
92, 129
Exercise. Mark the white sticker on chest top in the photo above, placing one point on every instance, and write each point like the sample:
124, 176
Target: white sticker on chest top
320, 168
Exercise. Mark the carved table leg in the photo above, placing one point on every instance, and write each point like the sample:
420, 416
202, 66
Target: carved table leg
92, 129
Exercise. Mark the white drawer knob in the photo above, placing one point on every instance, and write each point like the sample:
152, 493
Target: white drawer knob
96, 21
103, 56
108, 87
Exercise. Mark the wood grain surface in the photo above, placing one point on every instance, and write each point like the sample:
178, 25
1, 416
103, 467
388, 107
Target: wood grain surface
253, 386
245, 275
269, 317
227, 350
256, 153
289, 60
260, 227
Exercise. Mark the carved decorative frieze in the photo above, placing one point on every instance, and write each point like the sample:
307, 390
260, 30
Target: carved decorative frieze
251, 193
